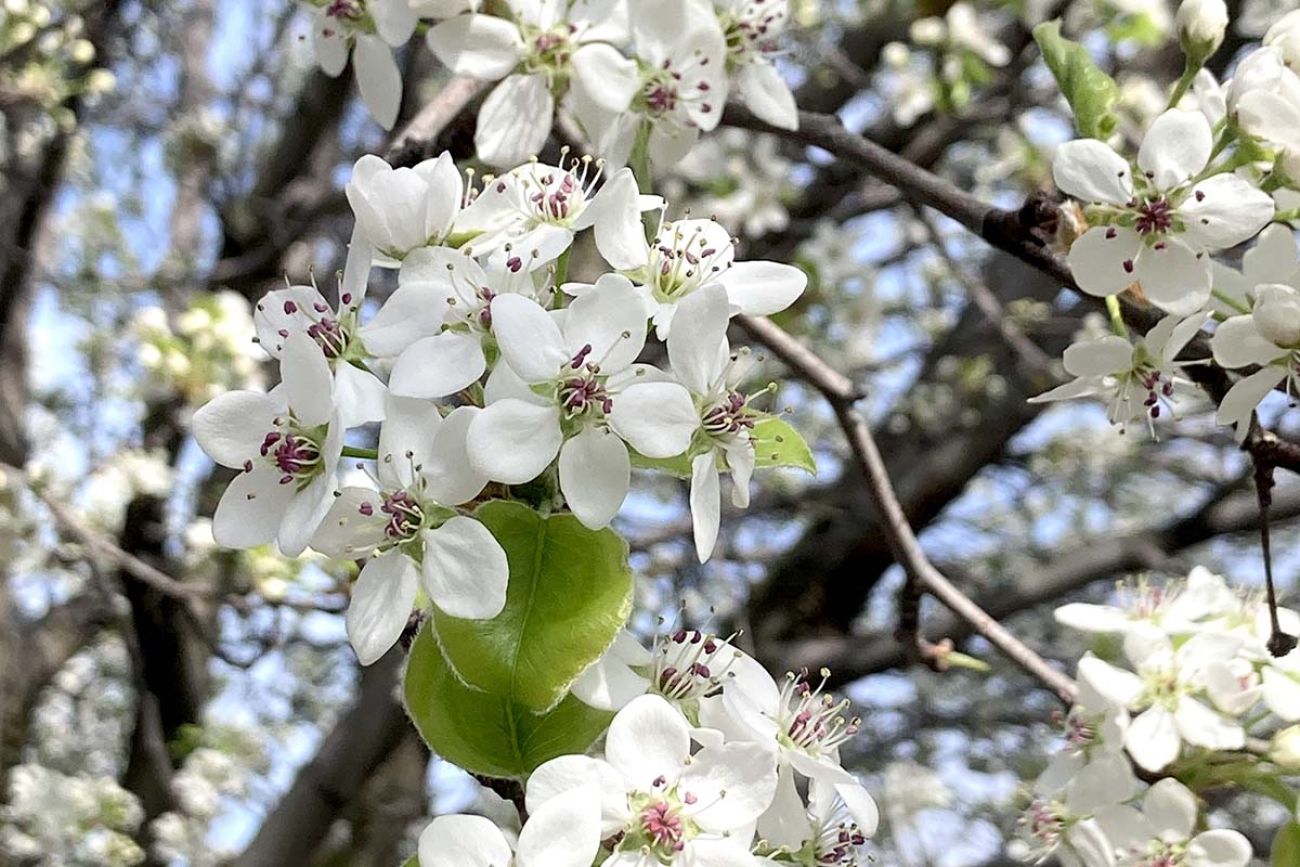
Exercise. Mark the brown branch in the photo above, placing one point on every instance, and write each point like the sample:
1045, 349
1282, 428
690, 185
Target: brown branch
414, 141
842, 396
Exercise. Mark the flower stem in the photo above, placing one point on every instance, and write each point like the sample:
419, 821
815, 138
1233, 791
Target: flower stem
1287, 216
366, 454
1116, 317
1228, 301
1180, 89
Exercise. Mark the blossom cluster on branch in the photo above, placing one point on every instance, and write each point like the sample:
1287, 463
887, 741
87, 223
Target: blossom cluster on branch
616, 70
1195, 701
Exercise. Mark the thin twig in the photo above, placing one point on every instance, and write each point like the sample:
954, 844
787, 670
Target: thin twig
412, 142
842, 395
1280, 643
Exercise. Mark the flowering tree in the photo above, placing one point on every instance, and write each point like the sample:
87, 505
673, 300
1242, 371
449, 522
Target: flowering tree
429, 402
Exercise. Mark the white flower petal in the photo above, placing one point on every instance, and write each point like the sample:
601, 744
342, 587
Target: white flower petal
307, 380
250, 510
657, 419
410, 313
448, 471
611, 320
437, 366
1177, 146
1103, 259
647, 740
380, 605
232, 426
608, 78
530, 341
465, 569
616, 216
609, 684
1152, 739
706, 504
1219, 848
463, 841
346, 530
512, 441
697, 347
1090, 171
304, 513
1174, 277
482, 46
1241, 400
562, 832
1171, 809
1203, 727
1099, 357
360, 395
330, 45
378, 78
1224, 211
595, 474
514, 120
733, 785
560, 776
406, 439
763, 288
767, 94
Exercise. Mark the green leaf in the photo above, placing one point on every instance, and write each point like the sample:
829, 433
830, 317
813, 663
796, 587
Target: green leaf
413, 861
776, 444
1092, 94
679, 466
1286, 846
487, 734
570, 593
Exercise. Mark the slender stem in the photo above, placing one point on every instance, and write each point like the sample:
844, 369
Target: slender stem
364, 454
1279, 642
562, 268
1184, 83
1228, 301
1116, 316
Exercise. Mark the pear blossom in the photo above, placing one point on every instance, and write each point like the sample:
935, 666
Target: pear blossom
751, 29
287, 444
1175, 607
455, 292
369, 30
547, 46
402, 209
1273, 258
681, 56
567, 382
669, 806
687, 255
684, 666
1154, 226
1163, 833
1269, 336
1201, 25
698, 352
411, 533
1284, 35
1164, 693
337, 331
527, 218
834, 827
562, 832
1065, 821
1138, 380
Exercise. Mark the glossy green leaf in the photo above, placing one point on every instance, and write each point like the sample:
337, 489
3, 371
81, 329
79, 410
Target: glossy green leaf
1286, 846
1092, 93
777, 444
486, 734
570, 593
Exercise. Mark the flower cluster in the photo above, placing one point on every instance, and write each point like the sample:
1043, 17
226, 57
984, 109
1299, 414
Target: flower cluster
503, 380
708, 762
622, 72
1197, 700
1214, 171
44, 804
206, 352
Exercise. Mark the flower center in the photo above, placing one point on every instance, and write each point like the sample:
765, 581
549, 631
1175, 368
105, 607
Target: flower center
688, 666
840, 845
345, 10
558, 195
728, 417
1154, 216
812, 720
1043, 822
679, 263
333, 336
1160, 854
405, 517
581, 387
664, 827
295, 452
549, 50
754, 29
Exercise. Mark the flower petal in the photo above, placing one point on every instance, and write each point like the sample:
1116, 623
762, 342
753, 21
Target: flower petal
1174, 277
381, 605
307, 380
378, 78
595, 474
1177, 146
463, 841
512, 441
763, 288
706, 504
250, 510
562, 832
1224, 211
1090, 171
1103, 259
606, 76
465, 569
482, 46
448, 472
697, 347
230, 428
515, 120
1099, 357
611, 320
1171, 809
657, 419
733, 785
437, 366
1152, 739
530, 341
647, 740
767, 94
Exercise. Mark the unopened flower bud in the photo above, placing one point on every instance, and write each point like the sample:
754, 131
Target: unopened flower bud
1277, 314
1201, 28
1285, 36
1285, 749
